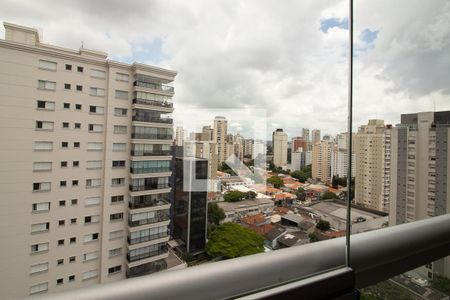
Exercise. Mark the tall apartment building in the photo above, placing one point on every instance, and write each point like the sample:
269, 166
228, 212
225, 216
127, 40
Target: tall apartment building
373, 165
339, 156
207, 133
315, 136
305, 134
248, 148
321, 161
420, 178
280, 148
299, 142
220, 138
86, 161
179, 136
206, 150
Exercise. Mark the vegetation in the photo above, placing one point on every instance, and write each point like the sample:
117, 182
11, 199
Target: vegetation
276, 181
313, 238
301, 194
223, 167
385, 290
235, 196
231, 240
329, 195
215, 214
323, 225
303, 175
441, 284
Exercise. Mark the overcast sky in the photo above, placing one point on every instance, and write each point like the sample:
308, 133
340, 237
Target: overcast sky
289, 57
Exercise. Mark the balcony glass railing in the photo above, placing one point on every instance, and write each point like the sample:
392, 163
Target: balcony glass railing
157, 252
154, 86
135, 204
146, 269
151, 136
147, 238
160, 216
152, 119
150, 170
152, 102
149, 187
150, 152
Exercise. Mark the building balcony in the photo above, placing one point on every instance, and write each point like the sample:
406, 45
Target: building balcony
161, 216
150, 170
147, 102
151, 119
150, 203
150, 153
148, 187
154, 86
151, 136
143, 239
146, 269
162, 250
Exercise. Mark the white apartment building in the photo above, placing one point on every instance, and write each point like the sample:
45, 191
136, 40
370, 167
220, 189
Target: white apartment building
180, 135
315, 136
280, 148
305, 134
85, 165
373, 164
339, 156
321, 161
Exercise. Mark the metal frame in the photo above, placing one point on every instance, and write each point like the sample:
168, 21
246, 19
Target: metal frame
376, 256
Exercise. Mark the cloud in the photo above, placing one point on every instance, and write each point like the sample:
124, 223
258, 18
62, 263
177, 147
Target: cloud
326, 24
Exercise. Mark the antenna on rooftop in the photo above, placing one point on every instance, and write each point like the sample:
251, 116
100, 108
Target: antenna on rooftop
82, 44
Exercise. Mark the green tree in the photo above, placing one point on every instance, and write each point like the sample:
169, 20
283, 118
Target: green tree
329, 195
313, 237
323, 225
223, 167
301, 194
233, 196
215, 214
441, 284
301, 176
231, 240
308, 171
276, 181
250, 195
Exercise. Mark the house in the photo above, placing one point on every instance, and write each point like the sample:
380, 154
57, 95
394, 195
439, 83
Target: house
291, 220
258, 223
273, 235
291, 239
307, 226
236, 210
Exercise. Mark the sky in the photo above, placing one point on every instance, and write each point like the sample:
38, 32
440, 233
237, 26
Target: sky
287, 57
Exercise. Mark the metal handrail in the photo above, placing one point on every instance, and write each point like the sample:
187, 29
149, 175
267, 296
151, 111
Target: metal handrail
375, 256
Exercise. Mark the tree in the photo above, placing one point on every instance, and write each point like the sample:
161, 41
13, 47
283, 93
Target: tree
276, 181
308, 171
329, 195
313, 237
301, 176
223, 167
301, 194
231, 240
233, 196
323, 225
250, 195
215, 214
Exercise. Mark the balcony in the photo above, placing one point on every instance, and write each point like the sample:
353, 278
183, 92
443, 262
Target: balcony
150, 152
150, 170
147, 238
161, 216
154, 86
162, 250
149, 203
152, 103
151, 136
146, 269
152, 119
148, 187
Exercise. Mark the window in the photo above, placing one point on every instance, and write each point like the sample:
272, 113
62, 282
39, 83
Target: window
120, 129
41, 186
98, 73
73, 221
63, 164
75, 163
42, 166
45, 105
119, 147
61, 222
39, 247
74, 182
77, 125
117, 199
118, 234
95, 128
74, 201
76, 144
44, 125
61, 242
94, 164
120, 112
91, 237
121, 94
89, 274
39, 268
115, 252
78, 106
62, 183
116, 217
40, 227
117, 181
118, 164
65, 125
93, 182
47, 65
39, 288
59, 281
95, 146
98, 92
91, 219
46, 85
72, 259
68, 67
150, 166
96, 109
62, 203
92, 201
67, 86
90, 256
73, 240
43, 146
66, 105
71, 278
122, 77
115, 269
65, 144
80, 69
60, 262
79, 88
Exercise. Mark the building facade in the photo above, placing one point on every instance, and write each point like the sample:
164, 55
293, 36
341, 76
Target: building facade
220, 138
339, 156
280, 148
321, 161
315, 136
88, 200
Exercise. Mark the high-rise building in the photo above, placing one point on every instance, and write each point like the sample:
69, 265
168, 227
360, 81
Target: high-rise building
190, 204
420, 178
339, 156
280, 148
208, 151
220, 138
321, 161
207, 133
299, 142
85, 162
179, 136
315, 136
305, 134
372, 178
248, 148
